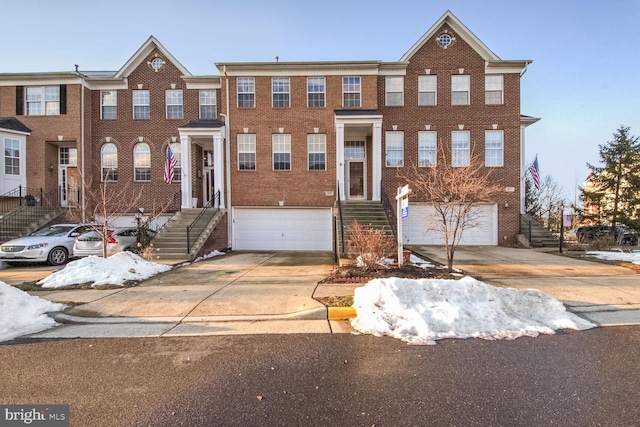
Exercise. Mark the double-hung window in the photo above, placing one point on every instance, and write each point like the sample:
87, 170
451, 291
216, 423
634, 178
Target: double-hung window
315, 92
174, 104
460, 90
395, 148
109, 162
493, 89
460, 148
351, 92
142, 162
427, 148
43, 100
108, 105
317, 149
281, 147
493, 148
208, 109
394, 91
246, 92
247, 151
427, 86
141, 106
280, 92
11, 156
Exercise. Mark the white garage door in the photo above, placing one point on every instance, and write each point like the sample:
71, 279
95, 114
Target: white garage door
423, 228
282, 229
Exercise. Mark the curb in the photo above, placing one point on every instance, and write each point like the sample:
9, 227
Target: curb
341, 313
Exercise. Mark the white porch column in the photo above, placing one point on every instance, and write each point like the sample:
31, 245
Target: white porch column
376, 162
340, 175
185, 178
218, 167
523, 191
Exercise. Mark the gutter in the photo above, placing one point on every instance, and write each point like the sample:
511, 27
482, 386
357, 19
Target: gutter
82, 81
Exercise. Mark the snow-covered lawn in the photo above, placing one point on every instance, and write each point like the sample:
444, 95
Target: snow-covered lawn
114, 270
22, 314
633, 257
423, 311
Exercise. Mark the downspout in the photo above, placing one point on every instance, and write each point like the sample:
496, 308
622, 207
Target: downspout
227, 132
82, 81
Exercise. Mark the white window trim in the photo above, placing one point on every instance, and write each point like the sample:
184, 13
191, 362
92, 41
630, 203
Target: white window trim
43, 101
169, 102
281, 82
467, 86
16, 142
323, 92
203, 104
389, 148
434, 91
280, 147
390, 81
103, 166
135, 159
434, 139
359, 91
466, 149
252, 86
500, 89
148, 104
501, 149
103, 104
252, 143
311, 148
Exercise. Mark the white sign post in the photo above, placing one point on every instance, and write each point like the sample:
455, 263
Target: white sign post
402, 211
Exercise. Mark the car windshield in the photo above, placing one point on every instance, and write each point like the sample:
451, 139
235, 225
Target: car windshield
54, 230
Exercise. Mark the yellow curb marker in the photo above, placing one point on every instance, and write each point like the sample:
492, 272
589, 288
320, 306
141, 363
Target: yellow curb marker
341, 313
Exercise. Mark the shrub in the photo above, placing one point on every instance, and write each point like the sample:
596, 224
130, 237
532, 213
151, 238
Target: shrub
368, 245
602, 243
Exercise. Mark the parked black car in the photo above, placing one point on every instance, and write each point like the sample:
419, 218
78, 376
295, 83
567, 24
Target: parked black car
621, 235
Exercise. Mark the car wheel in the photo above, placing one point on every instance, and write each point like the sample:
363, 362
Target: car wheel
57, 256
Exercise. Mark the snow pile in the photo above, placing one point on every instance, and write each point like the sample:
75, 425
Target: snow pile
22, 314
633, 257
114, 270
420, 262
423, 311
202, 258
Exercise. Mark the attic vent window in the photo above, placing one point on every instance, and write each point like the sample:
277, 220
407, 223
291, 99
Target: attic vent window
444, 40
156, 64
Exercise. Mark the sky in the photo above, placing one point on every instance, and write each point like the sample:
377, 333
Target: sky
583, 82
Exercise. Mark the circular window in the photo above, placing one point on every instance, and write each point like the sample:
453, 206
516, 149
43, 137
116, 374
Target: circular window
444, 40
157, 63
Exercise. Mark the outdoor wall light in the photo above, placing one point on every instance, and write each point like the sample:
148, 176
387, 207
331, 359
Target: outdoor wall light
50, 167
506, 205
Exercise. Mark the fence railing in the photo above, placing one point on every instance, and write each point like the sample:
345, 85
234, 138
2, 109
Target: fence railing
340, 222
200, 222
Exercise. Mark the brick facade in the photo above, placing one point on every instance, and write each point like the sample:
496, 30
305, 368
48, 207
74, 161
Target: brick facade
265, 187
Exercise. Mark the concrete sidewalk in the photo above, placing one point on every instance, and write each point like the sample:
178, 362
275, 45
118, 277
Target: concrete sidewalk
605, 294
237, 293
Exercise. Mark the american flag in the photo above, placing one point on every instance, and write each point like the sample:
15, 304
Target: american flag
535, 173
169, 164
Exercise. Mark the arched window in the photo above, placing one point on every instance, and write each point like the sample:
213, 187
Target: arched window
109, 162
177, 169
142, 162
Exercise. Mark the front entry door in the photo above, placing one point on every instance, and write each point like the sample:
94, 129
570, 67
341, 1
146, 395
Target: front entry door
207, 185
355, 181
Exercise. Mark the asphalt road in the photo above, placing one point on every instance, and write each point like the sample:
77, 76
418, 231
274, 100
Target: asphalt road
588, 378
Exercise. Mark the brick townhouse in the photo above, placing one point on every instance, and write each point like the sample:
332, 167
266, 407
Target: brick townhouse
282, 143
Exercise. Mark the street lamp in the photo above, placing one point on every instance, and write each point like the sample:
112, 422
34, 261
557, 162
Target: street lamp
138, 218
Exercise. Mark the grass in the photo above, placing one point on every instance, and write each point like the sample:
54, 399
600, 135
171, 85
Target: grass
337, 301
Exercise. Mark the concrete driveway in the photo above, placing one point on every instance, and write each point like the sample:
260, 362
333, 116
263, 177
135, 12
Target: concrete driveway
605, 294
222, 295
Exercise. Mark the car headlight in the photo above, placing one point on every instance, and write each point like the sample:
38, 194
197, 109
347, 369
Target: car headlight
38, 246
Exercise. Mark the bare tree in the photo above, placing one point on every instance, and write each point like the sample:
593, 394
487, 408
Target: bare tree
455, 193
108, 200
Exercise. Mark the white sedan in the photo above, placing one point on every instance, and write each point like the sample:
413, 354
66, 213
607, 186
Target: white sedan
52, 244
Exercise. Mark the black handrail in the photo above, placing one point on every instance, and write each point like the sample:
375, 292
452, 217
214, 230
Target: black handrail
15, 222
389, 210
198, 225
341, 221
18, 197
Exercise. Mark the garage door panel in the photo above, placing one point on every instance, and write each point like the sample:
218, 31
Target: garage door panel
423, 227
282, 229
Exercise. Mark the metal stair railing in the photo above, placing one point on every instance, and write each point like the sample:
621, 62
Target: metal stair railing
200, 222
28, 210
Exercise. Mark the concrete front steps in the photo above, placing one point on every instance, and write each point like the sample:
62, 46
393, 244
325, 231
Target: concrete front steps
368, 214
171, 242
540, 236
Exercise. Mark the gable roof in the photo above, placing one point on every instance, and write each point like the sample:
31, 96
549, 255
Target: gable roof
13, 124
457, 26
142, 53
